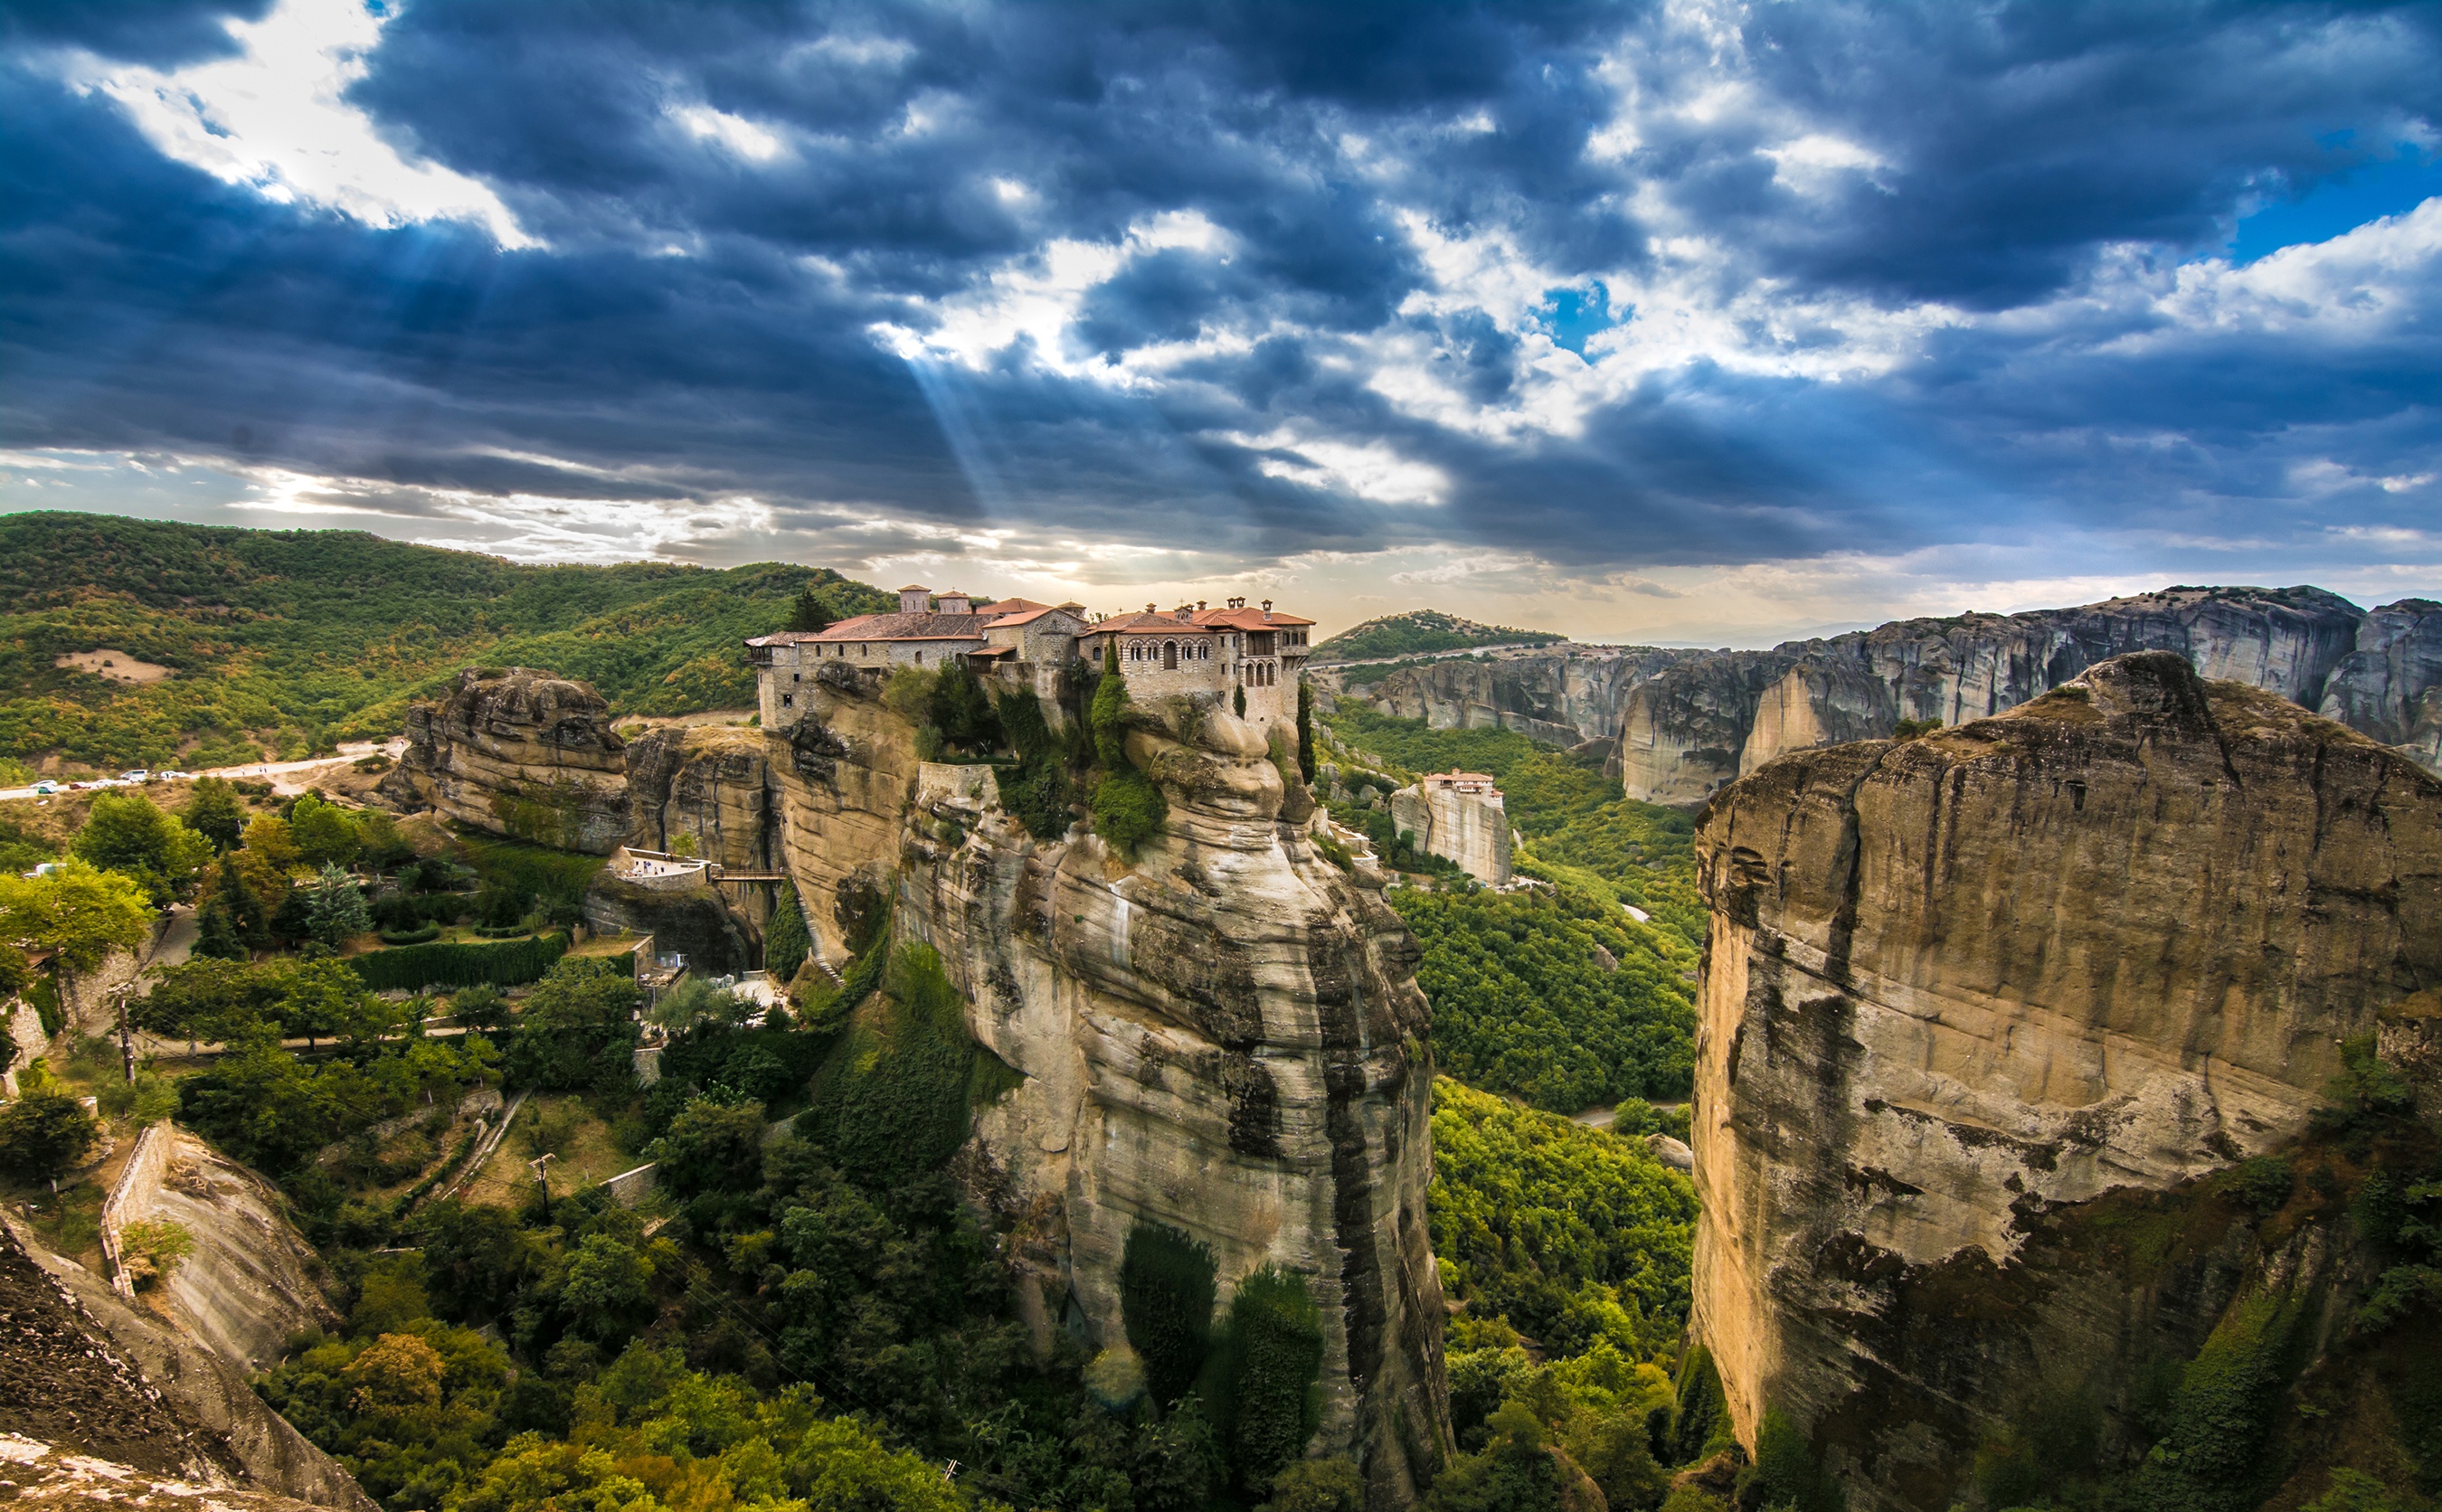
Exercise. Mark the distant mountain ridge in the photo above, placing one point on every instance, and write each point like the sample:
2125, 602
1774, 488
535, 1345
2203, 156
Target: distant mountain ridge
1685, 723
288, 639
1420, 632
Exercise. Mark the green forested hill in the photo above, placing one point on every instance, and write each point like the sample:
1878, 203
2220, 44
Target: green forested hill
1422, 629
290, 638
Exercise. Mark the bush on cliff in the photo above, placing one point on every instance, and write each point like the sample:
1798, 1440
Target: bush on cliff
894, 1097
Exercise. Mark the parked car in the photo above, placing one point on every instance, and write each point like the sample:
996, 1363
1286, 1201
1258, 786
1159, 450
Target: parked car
46, 788
137, 775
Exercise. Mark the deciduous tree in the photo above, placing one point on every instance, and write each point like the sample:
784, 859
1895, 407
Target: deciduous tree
126, 834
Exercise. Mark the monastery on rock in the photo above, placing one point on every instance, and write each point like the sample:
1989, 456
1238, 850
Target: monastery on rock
1016, 641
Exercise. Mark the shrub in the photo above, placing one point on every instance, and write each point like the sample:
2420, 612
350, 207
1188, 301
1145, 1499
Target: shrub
414, 935
897, 1093
44, 1133
1701, 1423
1166, 1293
1129, 810
150, 1251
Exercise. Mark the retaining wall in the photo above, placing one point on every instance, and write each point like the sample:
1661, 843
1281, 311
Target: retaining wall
133, 1196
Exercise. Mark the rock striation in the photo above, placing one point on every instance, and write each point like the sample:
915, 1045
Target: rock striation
2104, 943
85, 1375
2391, 686
1223, 1035
517, 753
1466, 822
1707, 722
1564, 695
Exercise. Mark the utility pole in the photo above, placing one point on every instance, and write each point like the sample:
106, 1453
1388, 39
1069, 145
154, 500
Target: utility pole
120, 995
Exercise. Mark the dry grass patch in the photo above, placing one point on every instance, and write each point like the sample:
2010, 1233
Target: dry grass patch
116, 666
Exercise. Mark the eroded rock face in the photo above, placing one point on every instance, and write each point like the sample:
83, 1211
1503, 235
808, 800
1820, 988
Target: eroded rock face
85, 1375
708, 785
2109, 939
1707, 720
2391, 686
1223, 1036
519, 753
1566, 695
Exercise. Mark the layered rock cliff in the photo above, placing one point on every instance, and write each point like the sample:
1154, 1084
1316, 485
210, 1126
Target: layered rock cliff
82, 1374
1688, 722
2391, 686
517, 753
1565, 695
1223, 1035
1965, 995
1707, 722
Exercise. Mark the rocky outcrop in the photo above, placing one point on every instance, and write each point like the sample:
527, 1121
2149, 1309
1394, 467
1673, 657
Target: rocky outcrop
1564, 695
1223, 1035
1709, 719
1471, 828
2391, 686
517, 753
695, 921
707, 786
1956, 986
83, 1373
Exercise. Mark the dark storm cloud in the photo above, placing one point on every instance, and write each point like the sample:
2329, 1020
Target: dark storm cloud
734, 199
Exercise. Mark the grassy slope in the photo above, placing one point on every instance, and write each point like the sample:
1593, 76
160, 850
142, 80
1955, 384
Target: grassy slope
1423, 629
292, 638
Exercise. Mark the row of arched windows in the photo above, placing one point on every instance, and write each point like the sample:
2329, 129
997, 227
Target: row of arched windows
1257, 674
1171, 653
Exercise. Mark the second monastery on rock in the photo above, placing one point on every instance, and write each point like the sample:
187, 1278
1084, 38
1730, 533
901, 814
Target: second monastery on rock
1187, 650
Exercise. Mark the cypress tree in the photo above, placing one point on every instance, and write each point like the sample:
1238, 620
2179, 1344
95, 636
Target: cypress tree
786, 943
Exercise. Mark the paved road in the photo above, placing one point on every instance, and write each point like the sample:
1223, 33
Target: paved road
284, 776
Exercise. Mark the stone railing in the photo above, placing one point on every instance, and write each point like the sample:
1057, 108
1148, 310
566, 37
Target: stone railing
131, 1197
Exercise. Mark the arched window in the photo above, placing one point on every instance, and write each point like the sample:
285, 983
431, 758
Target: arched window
1170, 656
920, 659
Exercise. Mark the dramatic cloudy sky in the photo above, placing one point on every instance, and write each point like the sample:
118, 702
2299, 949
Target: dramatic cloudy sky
1693, 320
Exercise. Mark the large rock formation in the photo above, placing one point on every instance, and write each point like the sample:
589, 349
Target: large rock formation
1470, 828
2391, 686
1565, 695
1954, 986
1223, 1036
517, 753
1705, 722
82, 1374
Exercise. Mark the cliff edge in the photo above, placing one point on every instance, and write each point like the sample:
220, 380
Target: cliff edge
1222, 1036
1954, 987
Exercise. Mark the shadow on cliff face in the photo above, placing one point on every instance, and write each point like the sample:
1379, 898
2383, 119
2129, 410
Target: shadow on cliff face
2004, 1032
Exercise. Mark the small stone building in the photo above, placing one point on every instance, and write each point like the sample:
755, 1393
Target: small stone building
1459, 816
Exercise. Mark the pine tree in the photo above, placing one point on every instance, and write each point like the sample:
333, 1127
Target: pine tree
336, 910
1305, 730
808, 614
216, 935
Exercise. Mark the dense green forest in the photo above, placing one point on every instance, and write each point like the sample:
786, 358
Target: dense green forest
1422, 629
1557, 996
292, 639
